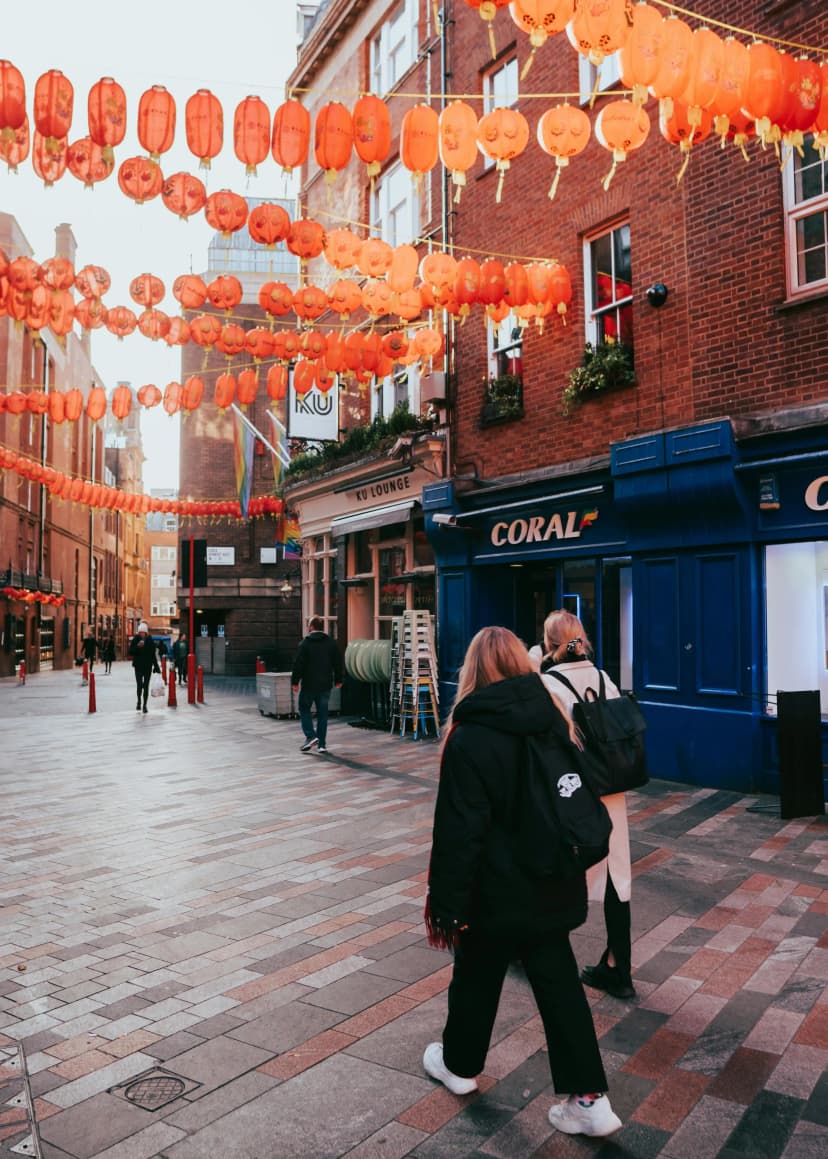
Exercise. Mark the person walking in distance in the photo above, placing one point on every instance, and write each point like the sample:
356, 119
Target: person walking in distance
567, 653
493, 895
89, 648
108, 655
317, 668
144, 662
180, 657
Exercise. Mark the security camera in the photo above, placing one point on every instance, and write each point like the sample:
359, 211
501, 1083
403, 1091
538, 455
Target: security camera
657, 295
445, 520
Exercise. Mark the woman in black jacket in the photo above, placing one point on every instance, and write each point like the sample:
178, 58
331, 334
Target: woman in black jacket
486, 902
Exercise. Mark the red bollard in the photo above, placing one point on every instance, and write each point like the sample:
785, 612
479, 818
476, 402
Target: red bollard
260, 665
92, 705
21, 672
85, 673
164, 669
172, 699
200, 684
191, 689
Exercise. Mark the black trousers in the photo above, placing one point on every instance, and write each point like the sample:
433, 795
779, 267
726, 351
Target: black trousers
617, 921
181, 669
142, 683
480, 965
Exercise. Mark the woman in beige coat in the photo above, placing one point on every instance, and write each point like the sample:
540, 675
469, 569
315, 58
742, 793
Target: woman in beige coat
567, 652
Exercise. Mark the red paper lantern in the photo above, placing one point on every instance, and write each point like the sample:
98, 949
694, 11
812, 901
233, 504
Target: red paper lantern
224, 391
14, 145
90, 313
49, 158
251, 133
154, 324
226, 212
184, 194
268, 224
96, 404
420, 140
54, 99
140, 179
121, 402
306, 239
87, 162
276, 299
621, 127
403, 269
333, 140
12, 97
638, 56
106, 109
178, 333
376, 297
92, 281
231, 339
204, 126
277, 382
563, 132
190, 291
492, 282
57, 273
172, 397
156, 121
310, 302
291, 135
304, 376
372, 132
224, 292
146, 290
247, 387
192, 392
503, 134
344, 296
120, 321
457, 141
487, 9
342, 248
375, 258
259, 343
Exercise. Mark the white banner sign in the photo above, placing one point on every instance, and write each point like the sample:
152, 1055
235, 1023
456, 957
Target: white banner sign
313, 415
221, 556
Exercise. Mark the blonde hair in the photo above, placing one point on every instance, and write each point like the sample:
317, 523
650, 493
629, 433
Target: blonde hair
494, 654
565, 638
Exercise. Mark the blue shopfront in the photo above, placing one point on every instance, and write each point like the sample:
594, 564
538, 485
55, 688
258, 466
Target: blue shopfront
697, 560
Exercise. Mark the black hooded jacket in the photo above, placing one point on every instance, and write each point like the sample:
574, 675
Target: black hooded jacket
474, 876
318, 664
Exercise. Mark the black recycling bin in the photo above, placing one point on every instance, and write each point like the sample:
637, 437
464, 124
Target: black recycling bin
800, 755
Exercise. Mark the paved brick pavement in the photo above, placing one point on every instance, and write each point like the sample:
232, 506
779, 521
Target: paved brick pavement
187, 897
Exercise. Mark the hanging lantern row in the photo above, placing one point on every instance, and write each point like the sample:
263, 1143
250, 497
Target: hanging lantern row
62, 486
40, 297
28, 597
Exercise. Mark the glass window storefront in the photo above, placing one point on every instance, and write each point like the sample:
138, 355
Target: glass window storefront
796, 583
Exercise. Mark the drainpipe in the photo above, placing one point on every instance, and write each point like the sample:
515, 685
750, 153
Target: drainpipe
44, 419
446, 19
93, 595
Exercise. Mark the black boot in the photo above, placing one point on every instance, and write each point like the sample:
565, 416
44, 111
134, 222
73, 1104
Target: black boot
611, 979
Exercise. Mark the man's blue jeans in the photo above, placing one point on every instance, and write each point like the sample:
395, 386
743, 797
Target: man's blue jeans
306, 703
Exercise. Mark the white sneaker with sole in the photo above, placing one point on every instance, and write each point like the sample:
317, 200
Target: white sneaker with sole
433, 1065
308, 745
573, 1119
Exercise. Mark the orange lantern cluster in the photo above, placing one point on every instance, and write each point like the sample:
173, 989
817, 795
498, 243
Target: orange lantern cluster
97, 495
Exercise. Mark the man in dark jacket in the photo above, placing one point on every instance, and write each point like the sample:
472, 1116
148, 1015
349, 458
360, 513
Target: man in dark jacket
144, 661
318, 666
89, 648
179, 651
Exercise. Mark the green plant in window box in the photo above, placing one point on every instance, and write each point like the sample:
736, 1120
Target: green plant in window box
605, 366
503, 399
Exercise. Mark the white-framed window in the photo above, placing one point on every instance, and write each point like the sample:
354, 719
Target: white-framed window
395, 389
805, 186
504, 347
395, 207
608, 286
162, 581
598, 80
155, 611
500, 91
320, 582
163, 552
394, 47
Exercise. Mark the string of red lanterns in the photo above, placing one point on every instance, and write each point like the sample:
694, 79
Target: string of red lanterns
97, 495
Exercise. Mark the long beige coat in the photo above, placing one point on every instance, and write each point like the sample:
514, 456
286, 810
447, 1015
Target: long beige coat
582, 674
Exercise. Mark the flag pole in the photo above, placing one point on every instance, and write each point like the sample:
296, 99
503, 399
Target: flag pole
280, 455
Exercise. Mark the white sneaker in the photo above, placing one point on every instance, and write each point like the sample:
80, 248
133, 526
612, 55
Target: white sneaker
433, 1065
573, 1119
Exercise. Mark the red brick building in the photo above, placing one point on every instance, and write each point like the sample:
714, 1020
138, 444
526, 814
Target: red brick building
682, 517
48, 545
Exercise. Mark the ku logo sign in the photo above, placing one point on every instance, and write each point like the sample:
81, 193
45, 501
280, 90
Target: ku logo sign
314, 403
542, 528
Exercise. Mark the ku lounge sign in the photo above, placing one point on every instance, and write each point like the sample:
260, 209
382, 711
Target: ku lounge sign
542, 528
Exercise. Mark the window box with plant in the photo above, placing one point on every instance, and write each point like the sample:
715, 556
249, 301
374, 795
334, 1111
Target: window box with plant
503, 400
605, 366
359, 442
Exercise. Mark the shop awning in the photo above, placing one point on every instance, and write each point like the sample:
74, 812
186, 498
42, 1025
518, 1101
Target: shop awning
376, 517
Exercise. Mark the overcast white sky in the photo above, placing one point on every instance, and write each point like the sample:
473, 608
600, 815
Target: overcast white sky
234, 49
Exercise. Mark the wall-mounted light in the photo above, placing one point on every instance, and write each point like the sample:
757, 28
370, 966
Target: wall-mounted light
286, 588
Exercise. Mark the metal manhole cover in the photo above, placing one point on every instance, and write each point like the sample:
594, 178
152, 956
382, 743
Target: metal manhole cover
154, 1089
152, 1093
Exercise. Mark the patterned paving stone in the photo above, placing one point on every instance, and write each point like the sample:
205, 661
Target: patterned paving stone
266, 929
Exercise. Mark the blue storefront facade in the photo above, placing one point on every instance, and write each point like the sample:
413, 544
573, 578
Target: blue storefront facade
698, 561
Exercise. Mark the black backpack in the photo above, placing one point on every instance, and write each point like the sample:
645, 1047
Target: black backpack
613, 734
559, 826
